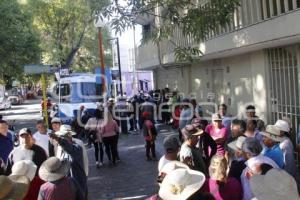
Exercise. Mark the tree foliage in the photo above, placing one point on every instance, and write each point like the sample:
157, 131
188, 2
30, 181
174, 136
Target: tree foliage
19, 40
69, 37
194, 19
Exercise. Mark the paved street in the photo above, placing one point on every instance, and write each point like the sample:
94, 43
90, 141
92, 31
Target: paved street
132, 178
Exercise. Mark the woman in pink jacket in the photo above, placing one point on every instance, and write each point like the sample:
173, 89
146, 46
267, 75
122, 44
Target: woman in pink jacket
109, 132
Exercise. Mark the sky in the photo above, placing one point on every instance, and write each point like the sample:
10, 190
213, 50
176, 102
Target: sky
126, 44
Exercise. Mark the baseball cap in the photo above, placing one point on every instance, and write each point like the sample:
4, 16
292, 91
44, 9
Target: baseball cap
216, 117
55, 120
171, 144
24, 131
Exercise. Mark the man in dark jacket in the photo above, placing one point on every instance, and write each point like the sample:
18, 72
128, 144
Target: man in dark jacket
68, 150
26, 151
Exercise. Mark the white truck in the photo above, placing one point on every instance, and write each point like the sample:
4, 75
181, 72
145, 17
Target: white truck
75, 91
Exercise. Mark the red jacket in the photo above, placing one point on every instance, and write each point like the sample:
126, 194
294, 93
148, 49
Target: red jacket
34, 188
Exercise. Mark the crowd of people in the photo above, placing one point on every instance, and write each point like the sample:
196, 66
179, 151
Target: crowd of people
53, 164
220, 158
228, 159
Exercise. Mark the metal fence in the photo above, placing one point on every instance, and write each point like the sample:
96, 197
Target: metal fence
283, 71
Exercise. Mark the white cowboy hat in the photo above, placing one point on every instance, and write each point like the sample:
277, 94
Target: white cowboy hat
64, 130
180, 184
273, 132
54, 169
171, 166
13, 187
24, 168
275, 185
282, 125
237, 144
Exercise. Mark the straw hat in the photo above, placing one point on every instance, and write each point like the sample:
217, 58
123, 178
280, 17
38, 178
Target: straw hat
13, 187
54, 169
64, 130
173, 165
273, 132
24, 168
237, 144
282, 125
181, 184
275, 185
168, 168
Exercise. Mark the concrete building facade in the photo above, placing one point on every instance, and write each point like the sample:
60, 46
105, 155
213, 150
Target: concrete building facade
255, 60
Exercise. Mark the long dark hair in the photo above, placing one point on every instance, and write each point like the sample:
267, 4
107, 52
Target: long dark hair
98, 114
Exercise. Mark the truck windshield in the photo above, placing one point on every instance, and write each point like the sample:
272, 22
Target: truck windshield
80, 92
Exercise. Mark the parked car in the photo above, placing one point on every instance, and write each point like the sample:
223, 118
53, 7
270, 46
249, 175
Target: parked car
4, 103
16, 97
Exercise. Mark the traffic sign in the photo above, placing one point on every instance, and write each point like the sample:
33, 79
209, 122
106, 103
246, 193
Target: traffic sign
37, 69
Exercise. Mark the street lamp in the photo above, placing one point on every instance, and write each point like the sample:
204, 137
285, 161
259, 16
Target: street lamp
119, 63
100, 24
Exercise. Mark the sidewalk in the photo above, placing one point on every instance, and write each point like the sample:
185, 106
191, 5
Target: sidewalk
133, 177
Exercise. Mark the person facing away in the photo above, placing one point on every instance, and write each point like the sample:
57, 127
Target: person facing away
171, 147
94, 124
109, 132
186, 114
149, 132
219, 184
58, 185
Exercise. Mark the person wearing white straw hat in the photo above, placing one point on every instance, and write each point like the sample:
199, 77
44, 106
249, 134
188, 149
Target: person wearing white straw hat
237, 165
28, 168
71, 151
288, 150
57, 183
272, 138
183, 184
13, 187
274, 185
167, 169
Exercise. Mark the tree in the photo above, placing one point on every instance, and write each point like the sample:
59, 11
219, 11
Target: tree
19, 41
194, 19
68, 35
